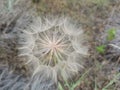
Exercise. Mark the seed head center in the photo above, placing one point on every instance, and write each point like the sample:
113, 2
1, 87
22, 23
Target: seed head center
53, 46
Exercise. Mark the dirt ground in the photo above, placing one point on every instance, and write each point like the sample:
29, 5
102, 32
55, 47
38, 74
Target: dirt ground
95, 17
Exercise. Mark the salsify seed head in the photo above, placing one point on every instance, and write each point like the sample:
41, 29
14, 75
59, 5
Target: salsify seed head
57, 43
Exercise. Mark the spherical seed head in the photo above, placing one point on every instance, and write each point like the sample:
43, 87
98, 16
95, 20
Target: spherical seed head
52, 42
52, 47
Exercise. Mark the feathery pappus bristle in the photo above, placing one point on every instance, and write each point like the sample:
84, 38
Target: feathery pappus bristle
48, 44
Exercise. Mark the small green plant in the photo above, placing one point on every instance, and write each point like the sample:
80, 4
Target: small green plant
101, 49
111, 82
95, 88
60, 86
111, 34
73, 85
